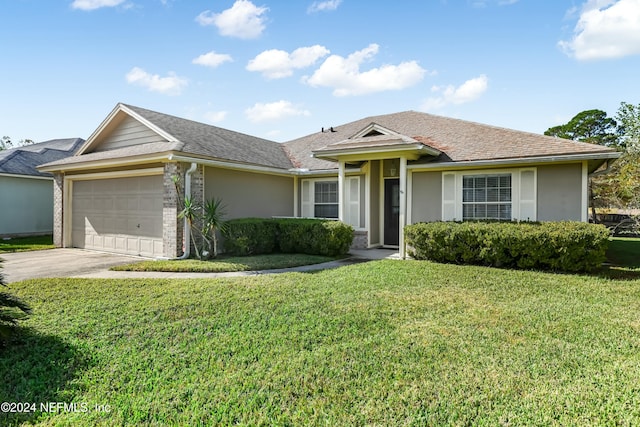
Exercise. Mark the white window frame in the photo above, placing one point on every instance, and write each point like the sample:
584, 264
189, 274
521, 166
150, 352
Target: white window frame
351, 205
524, 185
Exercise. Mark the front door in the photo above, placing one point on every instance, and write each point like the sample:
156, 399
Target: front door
391, 212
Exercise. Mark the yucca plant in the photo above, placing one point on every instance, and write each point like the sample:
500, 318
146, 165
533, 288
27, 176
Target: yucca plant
212, 222
190, 212
12, 309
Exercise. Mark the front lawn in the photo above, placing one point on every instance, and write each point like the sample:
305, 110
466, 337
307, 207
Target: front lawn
379, 343
23, 244
222, 264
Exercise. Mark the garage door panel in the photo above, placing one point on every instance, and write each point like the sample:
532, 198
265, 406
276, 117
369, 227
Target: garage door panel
119, 214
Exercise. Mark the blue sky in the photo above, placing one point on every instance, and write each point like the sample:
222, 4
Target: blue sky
281, 69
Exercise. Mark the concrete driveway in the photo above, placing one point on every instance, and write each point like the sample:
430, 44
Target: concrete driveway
58, 263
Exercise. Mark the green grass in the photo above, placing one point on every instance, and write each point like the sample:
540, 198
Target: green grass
23, 244
624, 252
378, 343
222, 264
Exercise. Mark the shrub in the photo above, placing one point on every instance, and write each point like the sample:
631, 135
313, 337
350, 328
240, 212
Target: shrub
557, 246
252, 236
12, 309
314, 237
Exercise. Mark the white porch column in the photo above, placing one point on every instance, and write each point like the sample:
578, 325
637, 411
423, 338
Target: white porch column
341, 195
403, 203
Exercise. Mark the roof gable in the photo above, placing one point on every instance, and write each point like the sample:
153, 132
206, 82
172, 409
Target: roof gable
133, 131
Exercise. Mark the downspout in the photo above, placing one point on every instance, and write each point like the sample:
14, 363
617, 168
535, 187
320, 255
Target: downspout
186, 228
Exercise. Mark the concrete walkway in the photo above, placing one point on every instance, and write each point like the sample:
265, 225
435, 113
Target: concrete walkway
360, 255
91, 264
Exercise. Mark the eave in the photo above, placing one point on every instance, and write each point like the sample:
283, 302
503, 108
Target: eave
596, 159
355, 154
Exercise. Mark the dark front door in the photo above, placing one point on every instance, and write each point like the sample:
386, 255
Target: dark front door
391, 212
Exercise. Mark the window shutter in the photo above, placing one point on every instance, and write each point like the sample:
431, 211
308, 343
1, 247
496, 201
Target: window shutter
307, 199
352, 202
528, 192
448, 196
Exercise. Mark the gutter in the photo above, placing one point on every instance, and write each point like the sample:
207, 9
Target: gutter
186, 228
489, 163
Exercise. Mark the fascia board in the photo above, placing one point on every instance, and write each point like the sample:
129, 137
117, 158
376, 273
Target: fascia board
15, 175
515, 162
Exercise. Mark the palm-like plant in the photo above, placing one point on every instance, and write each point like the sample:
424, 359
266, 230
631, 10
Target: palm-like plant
191, 214
212, 222
12, 309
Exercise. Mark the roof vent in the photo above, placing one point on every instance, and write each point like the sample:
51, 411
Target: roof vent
373, 132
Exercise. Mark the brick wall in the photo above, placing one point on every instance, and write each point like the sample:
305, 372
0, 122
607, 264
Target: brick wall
171, 205
58, 209
360, 240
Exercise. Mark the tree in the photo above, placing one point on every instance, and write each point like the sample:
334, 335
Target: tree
629, 126
592, 126
6, 143
621, 187
12, 309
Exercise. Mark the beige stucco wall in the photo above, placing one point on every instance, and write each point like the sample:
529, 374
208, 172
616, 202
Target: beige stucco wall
426, 197
560, 192
248, 194
27, 206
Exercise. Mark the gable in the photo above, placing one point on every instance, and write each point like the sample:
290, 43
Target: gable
127, 132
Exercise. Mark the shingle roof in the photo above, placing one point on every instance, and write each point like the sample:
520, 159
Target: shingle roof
212, 141
23, 160
458, 140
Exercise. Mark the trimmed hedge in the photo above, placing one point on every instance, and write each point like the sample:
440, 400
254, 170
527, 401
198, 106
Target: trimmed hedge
556, 246
253, 236
250, 236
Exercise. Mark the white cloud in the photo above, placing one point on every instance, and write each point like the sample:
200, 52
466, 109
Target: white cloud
323, 6
215, 116
243, 20
606, 29
212, 59
344, 75
275, 64
468, 91
273, 111
170, 85
94, 4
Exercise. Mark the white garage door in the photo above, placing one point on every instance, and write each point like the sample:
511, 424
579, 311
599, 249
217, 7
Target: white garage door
121, 215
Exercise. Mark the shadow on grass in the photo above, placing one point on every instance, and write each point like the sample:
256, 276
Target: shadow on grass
36, 368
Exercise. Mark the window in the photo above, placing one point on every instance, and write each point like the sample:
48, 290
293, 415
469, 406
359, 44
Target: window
325, 199
486, 197
502, 194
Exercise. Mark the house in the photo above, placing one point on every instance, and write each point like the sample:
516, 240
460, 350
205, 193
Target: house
26, 194
377, 174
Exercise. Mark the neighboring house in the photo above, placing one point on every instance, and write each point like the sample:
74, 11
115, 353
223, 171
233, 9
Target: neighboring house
377, 174
26, 194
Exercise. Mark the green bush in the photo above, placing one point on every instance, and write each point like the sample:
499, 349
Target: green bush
252, 236
314, 237
12, 309
557, 246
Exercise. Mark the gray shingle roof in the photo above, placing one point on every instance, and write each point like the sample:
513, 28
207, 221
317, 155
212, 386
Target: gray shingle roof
23, 160
458, 140
212, 141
